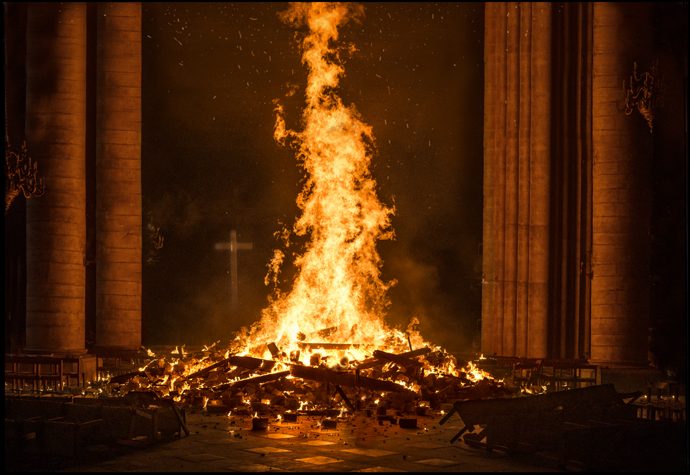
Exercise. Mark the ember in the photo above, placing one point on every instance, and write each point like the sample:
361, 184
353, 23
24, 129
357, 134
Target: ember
325, 341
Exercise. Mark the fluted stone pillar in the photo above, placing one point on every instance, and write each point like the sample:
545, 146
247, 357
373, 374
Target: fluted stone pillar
621, 199
118, 177
517, 132
55, 223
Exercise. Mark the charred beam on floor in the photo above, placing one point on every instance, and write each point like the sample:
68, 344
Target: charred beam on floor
342, 378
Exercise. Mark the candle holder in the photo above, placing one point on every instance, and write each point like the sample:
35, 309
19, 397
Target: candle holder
21, 175
640, 94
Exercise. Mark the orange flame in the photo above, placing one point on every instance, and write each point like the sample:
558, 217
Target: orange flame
338, 295
338, 285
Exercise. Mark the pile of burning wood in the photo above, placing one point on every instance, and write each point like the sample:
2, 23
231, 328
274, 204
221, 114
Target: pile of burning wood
337, 286
222, 381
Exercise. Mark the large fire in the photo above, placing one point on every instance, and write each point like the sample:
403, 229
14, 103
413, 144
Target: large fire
338, 286
329, 326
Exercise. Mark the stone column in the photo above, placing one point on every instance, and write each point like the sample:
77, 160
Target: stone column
55, 223
517, 131
118, 177
571, 184
621, 197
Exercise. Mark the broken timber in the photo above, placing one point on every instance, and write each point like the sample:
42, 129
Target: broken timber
343, 378
381, 357
264, 378
342, 394
328, 346
399, 359
273, 348
247, 362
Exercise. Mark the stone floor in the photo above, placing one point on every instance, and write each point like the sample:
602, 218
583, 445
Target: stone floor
359, 444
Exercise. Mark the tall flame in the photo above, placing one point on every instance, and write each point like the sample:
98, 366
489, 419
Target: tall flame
334, 312
338, 283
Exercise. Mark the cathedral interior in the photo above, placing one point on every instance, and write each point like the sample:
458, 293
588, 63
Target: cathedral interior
538, 169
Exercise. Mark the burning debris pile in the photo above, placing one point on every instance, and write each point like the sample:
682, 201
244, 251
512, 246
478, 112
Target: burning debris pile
324, 341
219, 381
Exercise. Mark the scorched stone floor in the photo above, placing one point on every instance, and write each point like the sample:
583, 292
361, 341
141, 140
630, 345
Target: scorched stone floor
360, 444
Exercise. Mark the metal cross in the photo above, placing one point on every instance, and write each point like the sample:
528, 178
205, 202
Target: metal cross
233, 246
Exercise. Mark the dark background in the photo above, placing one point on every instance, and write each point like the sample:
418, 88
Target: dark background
210, 164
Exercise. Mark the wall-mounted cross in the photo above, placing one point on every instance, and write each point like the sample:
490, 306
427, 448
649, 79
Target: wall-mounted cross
233, 246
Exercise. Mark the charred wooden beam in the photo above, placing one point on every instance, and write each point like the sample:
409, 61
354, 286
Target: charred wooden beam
208, 369
343, 378
342, 394
323, 375
247, 362
237, 372
417, 352
381, 357
398, 359
264, 378
328, 346
252, 363
273, 348
370, 363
